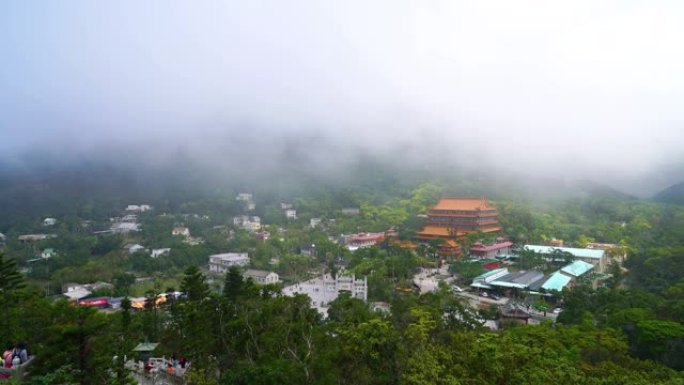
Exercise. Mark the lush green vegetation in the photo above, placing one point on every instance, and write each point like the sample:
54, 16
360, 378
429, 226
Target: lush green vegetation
630, 332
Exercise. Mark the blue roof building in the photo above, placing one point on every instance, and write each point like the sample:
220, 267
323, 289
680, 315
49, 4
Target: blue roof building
596, 257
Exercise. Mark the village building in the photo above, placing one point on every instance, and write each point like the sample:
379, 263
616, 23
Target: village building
503, 278
76, 291
156, 253
615, 253
566, 276
130, 218
262, 235
124, 227
596, 257
308, 250
261, 277
138, 208
248, 223
533, 280
48, 253
285, 206
458, 216
360, 240
133, 248
500, 248
49, 221
32, 238
314, 222
325, 289
555, 242
515, 312
244, 197
182, 231
291, 214
521, 280
220, 263
351, 211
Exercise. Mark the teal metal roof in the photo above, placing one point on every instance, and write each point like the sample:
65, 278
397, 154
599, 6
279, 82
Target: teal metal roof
489, 273
509, 284
146, 347
557, 281
577, 268
579, 253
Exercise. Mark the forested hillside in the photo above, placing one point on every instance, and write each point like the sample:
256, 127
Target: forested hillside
673, 194
629, 332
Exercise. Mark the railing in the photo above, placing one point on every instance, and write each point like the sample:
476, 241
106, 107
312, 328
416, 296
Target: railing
158, 375
16, 372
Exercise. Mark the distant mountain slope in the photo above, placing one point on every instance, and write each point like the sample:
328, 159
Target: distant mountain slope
673, 194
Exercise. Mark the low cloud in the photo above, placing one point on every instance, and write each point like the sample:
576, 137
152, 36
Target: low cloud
584, 89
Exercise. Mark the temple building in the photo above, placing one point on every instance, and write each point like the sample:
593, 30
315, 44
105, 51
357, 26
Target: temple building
455, 217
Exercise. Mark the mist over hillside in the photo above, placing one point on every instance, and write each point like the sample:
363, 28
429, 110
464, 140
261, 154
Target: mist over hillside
673, 194
570, 91
101, 181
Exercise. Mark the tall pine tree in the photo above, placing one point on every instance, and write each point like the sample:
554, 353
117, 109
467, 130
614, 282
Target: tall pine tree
233, 284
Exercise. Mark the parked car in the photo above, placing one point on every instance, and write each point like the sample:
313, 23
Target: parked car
484, 294
456, 289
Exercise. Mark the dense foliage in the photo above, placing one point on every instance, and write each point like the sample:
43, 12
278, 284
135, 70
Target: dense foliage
234, 332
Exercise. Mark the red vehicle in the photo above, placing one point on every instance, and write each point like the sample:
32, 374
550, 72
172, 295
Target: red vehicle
99, 303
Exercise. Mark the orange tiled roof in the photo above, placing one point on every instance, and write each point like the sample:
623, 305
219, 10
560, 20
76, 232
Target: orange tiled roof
405, 244
450, 243
462, 204
434, 230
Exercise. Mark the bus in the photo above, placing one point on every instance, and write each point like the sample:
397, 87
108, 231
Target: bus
100, 303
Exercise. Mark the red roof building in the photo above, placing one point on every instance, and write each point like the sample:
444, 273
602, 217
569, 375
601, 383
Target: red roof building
490, 251
356, 241
458, 216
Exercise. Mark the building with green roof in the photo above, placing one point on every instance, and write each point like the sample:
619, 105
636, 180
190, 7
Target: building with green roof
577, 268
596, 257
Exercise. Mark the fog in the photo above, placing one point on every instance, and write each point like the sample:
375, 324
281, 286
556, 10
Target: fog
582, 89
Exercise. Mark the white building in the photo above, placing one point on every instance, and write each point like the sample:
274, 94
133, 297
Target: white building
156, 253
138, 208
124, 227
291, 214
130, 218
248, 223
596, 257
183, 231
48, 253
314, 222
285, 206
244, 197
261, 277
133, 247
220, 263
49, 222
324, 289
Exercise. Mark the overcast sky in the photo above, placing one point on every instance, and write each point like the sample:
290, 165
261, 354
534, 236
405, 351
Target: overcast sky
536, 85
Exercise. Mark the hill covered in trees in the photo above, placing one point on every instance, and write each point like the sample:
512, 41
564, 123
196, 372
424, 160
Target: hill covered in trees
673, 194
628, 332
